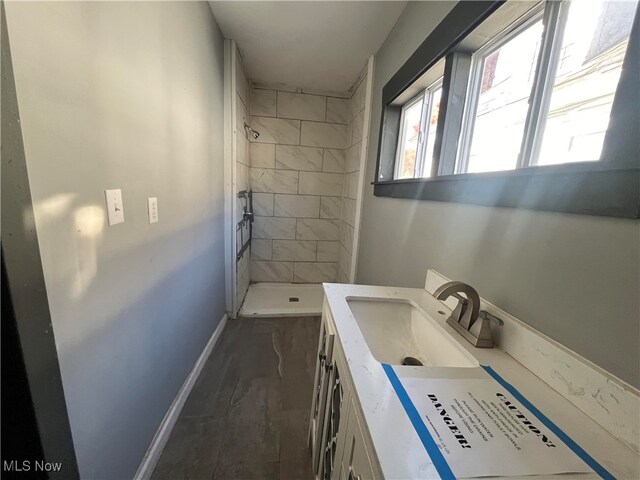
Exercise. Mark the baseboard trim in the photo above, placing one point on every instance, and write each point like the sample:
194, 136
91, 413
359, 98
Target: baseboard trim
162, 435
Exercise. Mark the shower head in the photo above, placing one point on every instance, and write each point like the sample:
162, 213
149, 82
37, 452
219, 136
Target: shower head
253, 132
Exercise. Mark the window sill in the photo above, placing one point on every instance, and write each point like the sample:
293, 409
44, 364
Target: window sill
587, 189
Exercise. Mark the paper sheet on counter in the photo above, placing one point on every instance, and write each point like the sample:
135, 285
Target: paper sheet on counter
482, 430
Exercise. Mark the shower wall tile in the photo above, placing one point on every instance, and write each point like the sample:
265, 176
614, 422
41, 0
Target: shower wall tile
329, 184
242, 150
300, 206
272, 271
328, 251
349, 211
326, 135
280, 87
242, 236
263, 102
330, 207
294, 250
333, 161
263, 204
241, 166
289, 157
317, 229
262, 155
356, 128
243, 278
306, 272
357, 101
274, 228
342, 277
355, 134
352, 158
242, 85
265, 180
346, 236
242, 177
301, 106
337, 110
276, 130
344, 261
261, 249
241, 116
351, 185
298, 177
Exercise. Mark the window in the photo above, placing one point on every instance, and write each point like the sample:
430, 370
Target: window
521, 105
418, 124
537, 89
592, 49
503, 76
432, 123
410, 136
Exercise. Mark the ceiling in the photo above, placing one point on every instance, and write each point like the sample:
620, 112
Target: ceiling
320, 45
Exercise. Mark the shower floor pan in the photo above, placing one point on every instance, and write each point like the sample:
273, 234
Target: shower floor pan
282, 300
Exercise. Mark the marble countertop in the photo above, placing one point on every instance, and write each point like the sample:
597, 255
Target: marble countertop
398, 448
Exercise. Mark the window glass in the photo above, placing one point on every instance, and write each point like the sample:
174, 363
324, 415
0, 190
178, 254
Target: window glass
507, 75
410, 135
589, 65
432, 123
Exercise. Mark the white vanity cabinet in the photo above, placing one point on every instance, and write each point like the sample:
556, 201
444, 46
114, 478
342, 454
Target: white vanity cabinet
338, 437
320, 391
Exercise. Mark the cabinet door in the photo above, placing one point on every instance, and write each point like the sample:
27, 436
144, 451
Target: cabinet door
333, 420
321, 386
355, 463
346, 422
345, 437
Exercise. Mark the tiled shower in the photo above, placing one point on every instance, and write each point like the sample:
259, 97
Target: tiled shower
305, 175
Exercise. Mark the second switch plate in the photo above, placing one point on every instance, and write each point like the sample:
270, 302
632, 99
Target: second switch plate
153, 209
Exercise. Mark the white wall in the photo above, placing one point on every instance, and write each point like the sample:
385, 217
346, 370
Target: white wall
124, 95
573, 277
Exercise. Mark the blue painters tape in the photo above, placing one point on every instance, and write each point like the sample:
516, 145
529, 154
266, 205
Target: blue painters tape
586, 458
421, 429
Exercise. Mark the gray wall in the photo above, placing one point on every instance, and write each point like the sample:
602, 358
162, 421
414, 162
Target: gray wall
575, 278
123, 95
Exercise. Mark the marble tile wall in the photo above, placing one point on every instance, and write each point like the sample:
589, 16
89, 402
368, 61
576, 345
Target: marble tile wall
297, 175
355, 114
242, 166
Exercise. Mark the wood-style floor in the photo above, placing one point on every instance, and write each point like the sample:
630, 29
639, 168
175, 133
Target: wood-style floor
247, 416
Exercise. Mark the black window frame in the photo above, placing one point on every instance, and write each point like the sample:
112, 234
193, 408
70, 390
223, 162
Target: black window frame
609, 187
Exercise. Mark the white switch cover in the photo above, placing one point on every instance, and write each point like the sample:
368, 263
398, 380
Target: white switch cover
153, 209
115, 207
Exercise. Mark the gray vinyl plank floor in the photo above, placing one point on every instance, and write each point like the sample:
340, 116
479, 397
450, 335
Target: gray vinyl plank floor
247, 416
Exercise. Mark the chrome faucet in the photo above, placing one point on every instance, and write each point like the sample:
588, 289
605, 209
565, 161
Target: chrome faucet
464, 318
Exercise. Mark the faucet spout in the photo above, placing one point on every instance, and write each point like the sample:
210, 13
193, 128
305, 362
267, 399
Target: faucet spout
468, 308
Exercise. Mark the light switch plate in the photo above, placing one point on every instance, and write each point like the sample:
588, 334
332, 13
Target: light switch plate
115, 207
153, 209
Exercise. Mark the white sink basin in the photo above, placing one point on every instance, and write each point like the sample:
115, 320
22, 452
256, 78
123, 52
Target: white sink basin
394, 330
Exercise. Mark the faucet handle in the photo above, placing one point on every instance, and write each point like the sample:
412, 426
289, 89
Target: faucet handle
489, 316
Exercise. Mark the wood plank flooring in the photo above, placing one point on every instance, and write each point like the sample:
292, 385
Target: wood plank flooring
247, 416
